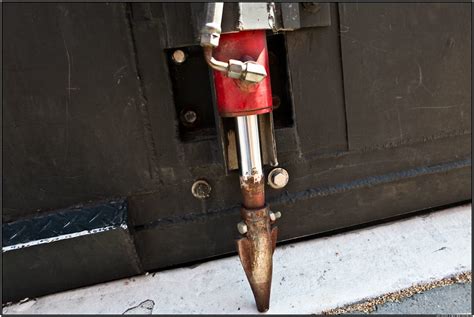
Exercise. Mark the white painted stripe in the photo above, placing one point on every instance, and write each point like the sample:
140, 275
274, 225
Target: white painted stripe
309, 276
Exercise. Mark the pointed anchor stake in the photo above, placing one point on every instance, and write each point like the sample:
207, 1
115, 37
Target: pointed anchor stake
256, 252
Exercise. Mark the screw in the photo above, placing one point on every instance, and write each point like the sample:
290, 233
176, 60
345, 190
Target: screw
201, 189
242, 227
190, 116
278, 178
179, 56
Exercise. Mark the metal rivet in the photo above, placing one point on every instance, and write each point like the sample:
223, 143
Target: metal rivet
278, 178
201, 189
179, 56
190, 116
242, 227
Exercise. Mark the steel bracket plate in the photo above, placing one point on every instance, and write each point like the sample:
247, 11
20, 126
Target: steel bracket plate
274, 16
236, 17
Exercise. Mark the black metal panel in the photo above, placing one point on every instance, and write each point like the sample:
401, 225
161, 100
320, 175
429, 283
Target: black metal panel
370, 185
317, 88
72, 119
90, 113
406, 73
318, 209
67, 249
191, 95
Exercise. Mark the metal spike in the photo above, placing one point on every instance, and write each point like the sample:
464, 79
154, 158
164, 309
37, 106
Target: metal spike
256, 253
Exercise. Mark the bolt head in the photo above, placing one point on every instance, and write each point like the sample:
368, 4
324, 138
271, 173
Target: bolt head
278, 178
190, 116
201, 189
242, 227
179, 57
272, 216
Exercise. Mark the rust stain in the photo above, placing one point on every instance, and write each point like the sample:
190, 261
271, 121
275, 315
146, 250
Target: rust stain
253, 191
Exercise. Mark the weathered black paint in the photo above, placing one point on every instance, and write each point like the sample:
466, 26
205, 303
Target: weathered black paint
406, 74
67, 249
90, 114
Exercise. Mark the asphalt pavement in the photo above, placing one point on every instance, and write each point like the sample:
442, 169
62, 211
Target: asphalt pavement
451, 299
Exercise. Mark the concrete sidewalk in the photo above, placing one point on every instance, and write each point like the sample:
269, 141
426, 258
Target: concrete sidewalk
309, 277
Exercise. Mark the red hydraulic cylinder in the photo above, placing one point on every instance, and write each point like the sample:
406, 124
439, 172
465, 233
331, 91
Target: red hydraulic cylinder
236, 97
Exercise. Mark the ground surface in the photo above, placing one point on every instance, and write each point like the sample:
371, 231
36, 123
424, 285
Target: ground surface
309, 277
451, 299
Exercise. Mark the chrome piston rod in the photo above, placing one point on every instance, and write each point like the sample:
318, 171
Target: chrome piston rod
252, 181
249, 145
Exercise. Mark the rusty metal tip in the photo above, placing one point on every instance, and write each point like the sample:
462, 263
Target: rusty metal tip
261, 293
256, 252
262, 309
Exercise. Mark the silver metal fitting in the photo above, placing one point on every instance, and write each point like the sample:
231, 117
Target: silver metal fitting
236, 69
274, 215
242, 227
254, 72
248, 71
211, 32
210, 35
278, 178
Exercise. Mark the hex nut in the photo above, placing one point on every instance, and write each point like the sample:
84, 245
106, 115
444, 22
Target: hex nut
278, 178
254, 72
201, 189
235, 69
